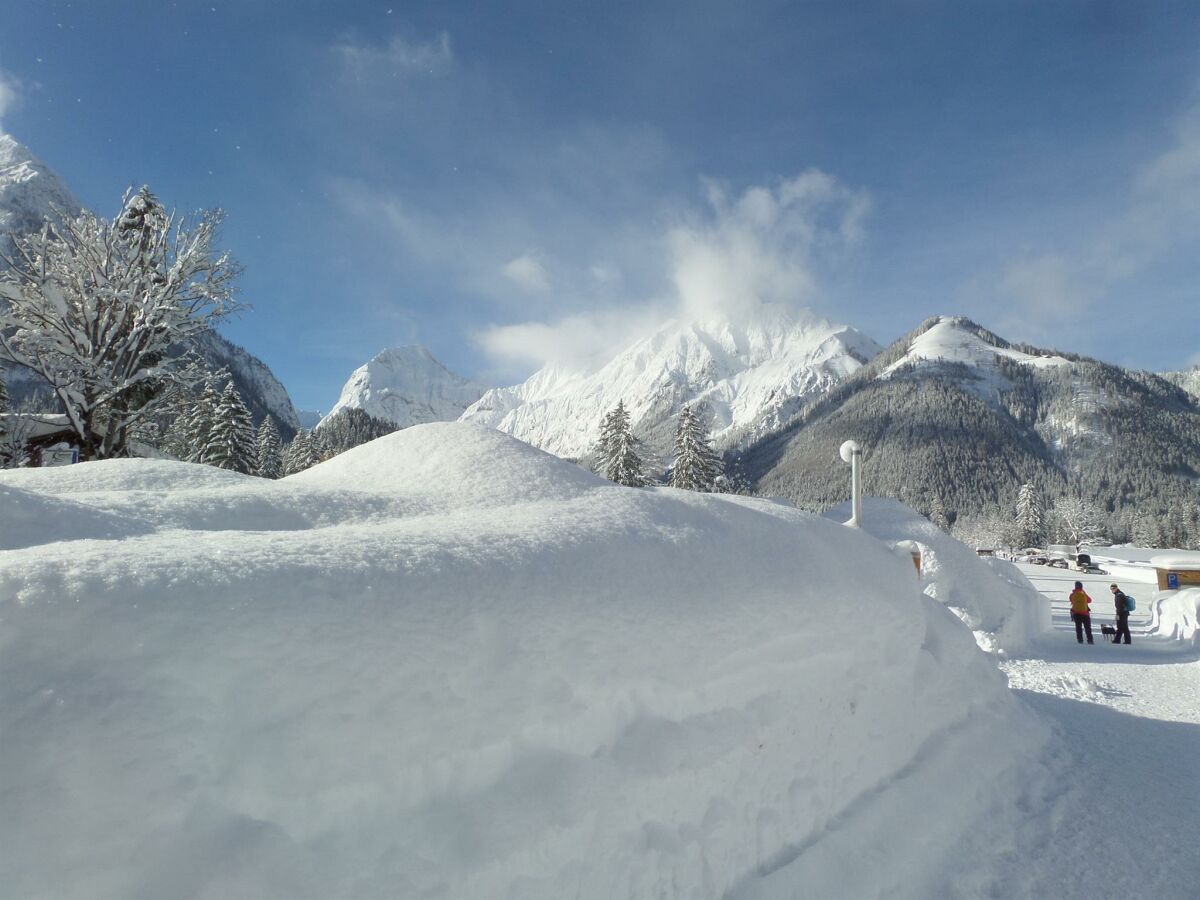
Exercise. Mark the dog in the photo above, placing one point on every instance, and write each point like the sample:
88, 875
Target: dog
1107, 631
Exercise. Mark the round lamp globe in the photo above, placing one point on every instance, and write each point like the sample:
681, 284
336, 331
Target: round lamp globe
848, 450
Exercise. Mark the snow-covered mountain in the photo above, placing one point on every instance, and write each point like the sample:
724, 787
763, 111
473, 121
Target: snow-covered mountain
407, 386
260, 389
956, 414
30, 192
1189, 380
753, 375
956, 340
309, 418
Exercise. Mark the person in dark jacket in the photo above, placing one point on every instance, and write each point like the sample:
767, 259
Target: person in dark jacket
1081, 612
1122, 607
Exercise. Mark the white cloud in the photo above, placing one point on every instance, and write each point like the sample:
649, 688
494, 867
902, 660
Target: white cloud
1047, 285
399, 57
527, 273
10, 94
580, 341
767, 245
1158, 213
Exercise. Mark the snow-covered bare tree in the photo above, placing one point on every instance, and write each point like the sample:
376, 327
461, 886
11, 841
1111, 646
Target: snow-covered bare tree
268, 459
696, 464
92, 306
1078, 520
1147, 531
1031, 517
231, 439
620, 460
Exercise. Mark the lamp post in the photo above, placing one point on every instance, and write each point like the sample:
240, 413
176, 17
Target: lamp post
851, 453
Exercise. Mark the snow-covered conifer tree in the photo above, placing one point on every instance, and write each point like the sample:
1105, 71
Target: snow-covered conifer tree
350, 428
268, 460
302, 453
1031, 517
696, 463
200, 421
93, 306
937, 513
620, 460
231, 439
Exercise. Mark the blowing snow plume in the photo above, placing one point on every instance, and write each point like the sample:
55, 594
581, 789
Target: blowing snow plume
765, 247
736, 335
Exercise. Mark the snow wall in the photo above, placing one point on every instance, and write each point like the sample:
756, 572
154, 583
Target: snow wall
1001, 605
1176, 615
448, 665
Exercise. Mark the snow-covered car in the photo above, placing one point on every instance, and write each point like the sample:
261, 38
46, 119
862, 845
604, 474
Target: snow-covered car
1058, 563
1038, 560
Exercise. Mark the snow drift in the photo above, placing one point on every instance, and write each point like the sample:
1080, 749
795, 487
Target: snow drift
996, 601
446, 664
1176, 615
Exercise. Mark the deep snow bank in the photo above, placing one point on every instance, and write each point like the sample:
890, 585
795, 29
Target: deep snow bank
1176, 615
457, 667
1001, 606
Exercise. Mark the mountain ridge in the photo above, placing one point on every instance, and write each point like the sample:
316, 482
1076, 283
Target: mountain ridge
751, 374
968, 430
406, 386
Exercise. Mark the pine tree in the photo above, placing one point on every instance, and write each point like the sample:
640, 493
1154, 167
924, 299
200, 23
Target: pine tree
5, 405
231, 440
268, 459
351, 428
302, 453
618, 448
320, 448
696, 464
1031, 517
200, 421
937, 514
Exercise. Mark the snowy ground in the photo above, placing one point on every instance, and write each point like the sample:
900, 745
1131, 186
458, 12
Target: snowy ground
1110, 813
448, 665
1121, 819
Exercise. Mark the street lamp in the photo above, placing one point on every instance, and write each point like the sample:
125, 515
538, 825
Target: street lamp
851, 453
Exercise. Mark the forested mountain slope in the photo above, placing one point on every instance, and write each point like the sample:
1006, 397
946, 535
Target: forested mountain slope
954, 412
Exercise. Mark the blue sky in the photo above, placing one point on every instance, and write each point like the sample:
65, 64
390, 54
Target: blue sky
513, 182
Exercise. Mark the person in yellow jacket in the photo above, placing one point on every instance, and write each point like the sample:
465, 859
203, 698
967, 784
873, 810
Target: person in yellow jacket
1081, 612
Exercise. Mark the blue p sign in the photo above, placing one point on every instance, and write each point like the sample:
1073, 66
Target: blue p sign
1172, 581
